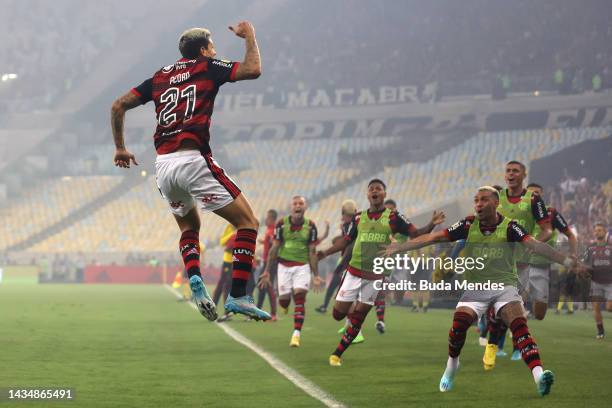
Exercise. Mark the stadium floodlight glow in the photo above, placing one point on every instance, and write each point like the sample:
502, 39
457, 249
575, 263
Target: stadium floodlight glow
6, 77
536, 93
143, 173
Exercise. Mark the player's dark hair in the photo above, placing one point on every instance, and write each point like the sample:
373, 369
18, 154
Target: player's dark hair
535, 185
523, 167
273, 213
379, 181
391, 202
192, 41
497, 187
599, 224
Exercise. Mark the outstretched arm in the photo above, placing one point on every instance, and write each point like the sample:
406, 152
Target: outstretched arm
546, 250
250, 68
416, 243
128, 101
337, 246
436, 219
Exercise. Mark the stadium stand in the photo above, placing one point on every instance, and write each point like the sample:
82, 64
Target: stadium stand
527, 41
536, 39
54, 200
279, 169
54, 52
454, 173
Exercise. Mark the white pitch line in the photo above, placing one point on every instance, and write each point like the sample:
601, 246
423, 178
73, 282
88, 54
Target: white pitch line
289, 373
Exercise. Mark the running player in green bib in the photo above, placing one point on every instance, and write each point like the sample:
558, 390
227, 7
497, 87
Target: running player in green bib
380, 303
539, 266
294, 244
371, 229
528, 210
489, 236
538, 272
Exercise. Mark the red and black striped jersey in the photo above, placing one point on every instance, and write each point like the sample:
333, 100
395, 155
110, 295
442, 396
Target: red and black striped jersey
598, 256
557, 220
184, 95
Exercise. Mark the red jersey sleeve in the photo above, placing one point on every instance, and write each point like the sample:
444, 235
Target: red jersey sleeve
538, 209
144, 91
516, 233
460, 229
401, 225
221, 71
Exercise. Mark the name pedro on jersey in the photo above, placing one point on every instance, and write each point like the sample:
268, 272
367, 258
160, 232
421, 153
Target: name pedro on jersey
183, 76
404, 285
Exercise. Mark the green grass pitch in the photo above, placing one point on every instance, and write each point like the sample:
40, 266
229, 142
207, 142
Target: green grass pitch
137, 346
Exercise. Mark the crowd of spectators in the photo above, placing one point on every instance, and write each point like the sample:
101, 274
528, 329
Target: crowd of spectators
354, 44
51, 46
583, 203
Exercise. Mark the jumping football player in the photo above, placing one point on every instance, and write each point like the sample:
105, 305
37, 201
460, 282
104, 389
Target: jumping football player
187, 174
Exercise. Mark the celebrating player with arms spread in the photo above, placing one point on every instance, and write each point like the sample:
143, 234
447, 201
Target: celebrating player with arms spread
488, 236
370, 230
295, 239
187, 175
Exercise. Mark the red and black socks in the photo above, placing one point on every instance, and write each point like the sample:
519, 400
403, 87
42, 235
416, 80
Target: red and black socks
525, 343
243, 252
189, 245
299, 299
456, 335
380, 305
356, 319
